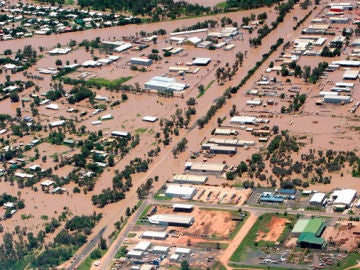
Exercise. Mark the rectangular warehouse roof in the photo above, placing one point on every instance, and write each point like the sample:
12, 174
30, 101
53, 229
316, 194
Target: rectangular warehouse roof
344, 196
182, 206
160, 249
143, 245
243, 120
310, 238
201, 61
180, 191
351, 74
206, 167
168, 218
190, 178
154, 234
300, 225
316, 226
318, 197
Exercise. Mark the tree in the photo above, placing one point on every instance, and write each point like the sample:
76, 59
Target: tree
128, 212
58, 62
18, 112
184, 265
111, 161
14, 97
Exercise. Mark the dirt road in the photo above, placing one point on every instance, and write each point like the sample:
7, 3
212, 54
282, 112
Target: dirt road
238, 239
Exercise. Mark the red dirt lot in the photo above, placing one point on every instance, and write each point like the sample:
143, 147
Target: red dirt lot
274, 229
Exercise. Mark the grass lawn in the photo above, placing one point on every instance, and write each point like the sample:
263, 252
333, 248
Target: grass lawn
121, 252
212, 245
218, 266
86, 265
349, 261
249, 240
206, 88
111, 84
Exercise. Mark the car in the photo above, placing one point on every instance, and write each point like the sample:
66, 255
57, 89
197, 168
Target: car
97, 263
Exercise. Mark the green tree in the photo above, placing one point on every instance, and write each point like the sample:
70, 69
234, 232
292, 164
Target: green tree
185, 265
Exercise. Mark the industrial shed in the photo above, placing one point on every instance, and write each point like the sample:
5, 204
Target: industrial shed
317, 199
141, 61
351, 74
201, 61
160, 250
210, 168
243, 120
315, 226
343, 198
159, 83
57, 123
182, 192
183, 251
337, 99
309, 240
172, 220
154, 235
151, 119
120, 133
179, 207
190, 179
219, 149
143, 246
136, 254
224, 131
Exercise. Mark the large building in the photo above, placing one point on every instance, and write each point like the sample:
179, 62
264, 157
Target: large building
337, 99
190, 179
156, 235
179, 191
309, 233
343, 198
202, 167
164, 84
141, 61
172, 220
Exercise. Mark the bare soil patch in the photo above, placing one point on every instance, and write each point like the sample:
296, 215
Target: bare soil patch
273, 229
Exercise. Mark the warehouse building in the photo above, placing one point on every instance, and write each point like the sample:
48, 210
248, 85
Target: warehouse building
174, 258
337, 99
315, 226
210, 168
182, 192
154, 235
57, 123
220, 149
120, 133
161, 250
243, 120
223, 131
159, 83
269, 197
318, 199
141, 61
339, 20
190, 179
183, 251
151, 119
171, 220
179, 207
201, 61
343, 198
143, 246
350, 74
135, 254
309, 240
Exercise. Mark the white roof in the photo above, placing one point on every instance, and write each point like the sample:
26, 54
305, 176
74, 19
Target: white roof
52, 106
47, 183
154, 234
140, 59
347, 63
183, 206
57, 123
24, 175
194, 40
174, 257
190, 178
96, 123
137, 253
182, 250
123, 47
119, 133
317, 197
181, 191
60, 51
150, 118
161, 248
106, 116
34, 167
344, 196
167, 218
201, 61
351, 74
242, 120
143, 245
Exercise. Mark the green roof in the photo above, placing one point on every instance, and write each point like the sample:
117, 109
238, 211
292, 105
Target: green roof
311, 239
315, 225
300, 225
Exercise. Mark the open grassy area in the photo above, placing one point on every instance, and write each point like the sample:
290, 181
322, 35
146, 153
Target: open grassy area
206, 88
218, 266
212, 245
144, 213
110, 84
249, 240
121, 252
349, 261
86, 265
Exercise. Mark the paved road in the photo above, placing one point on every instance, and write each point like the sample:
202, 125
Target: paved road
105, 262
87, 249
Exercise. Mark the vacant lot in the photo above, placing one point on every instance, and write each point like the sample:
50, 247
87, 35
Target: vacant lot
343, 236
272, 231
